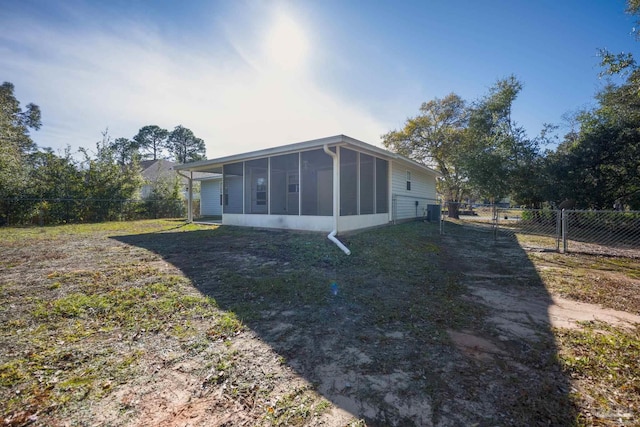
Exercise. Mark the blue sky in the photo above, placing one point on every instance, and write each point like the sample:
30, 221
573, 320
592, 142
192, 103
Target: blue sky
245, 75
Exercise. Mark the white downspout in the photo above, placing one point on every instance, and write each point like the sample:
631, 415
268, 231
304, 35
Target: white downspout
189, 195
336, 200
332, 236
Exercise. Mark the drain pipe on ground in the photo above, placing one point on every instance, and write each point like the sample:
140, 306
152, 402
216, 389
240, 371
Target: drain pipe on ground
336, 200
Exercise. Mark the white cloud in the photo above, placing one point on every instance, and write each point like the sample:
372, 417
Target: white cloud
128, 75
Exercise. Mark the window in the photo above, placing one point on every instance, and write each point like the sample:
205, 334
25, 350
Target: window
221, 190
285, 187
293, 186
261, 191
408, 180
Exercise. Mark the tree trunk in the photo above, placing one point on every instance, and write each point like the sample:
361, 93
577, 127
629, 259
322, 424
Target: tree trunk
453, 210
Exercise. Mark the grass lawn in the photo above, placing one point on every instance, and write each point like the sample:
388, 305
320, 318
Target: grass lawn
161, 323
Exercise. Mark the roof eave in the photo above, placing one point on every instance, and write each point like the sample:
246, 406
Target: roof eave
283, 149
204, 165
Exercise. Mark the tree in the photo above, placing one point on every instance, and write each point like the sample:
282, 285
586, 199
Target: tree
125, 151
622, 62
166, 198
436, 138
153, 140
16, 123
52, 176
500, 157
15, 141
184, 145
106, 181
598, 166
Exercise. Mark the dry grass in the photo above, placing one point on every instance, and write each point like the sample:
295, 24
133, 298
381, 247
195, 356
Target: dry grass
613, 282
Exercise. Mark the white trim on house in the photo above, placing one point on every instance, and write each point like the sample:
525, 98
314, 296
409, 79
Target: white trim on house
355, 222
289, 222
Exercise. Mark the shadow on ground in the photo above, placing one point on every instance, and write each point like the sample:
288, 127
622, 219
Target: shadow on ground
411, 329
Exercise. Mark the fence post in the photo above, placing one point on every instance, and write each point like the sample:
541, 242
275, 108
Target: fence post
564, 231
558, 229
494, 212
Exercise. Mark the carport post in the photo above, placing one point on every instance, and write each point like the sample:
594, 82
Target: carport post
189, 194
190, 204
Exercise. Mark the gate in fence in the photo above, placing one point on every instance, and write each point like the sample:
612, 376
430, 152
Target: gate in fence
595, 232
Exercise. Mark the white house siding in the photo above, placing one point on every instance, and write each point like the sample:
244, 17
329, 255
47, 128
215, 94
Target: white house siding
423, 191
210, 198
355, 222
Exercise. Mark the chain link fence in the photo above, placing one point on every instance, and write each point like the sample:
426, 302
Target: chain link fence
614, 233
601, 232
36, 211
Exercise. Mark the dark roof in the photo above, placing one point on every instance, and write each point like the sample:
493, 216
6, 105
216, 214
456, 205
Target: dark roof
154, 169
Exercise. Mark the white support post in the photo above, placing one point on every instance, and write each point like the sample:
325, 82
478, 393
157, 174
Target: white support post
190, 206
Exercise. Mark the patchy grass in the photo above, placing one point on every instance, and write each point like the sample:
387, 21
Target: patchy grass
64, 348
536, 240
603, 363
296, 407
153, 320
612, 282
601, 360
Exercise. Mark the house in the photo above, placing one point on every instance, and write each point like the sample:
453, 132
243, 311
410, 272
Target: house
155, 171
335, 184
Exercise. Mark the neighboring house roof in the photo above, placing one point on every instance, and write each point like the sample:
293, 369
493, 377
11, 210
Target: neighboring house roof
215, 165
152, 170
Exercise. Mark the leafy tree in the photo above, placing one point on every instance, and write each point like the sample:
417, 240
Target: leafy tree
15, 141
16, 123
619, 63
436, 137
599, 166
166, 198
106, 181
185, 146
499, 158
12, 169
152, 140
53, 176
125, 150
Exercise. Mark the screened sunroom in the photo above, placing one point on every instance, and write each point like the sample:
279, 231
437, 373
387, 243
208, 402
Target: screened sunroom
336, 183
